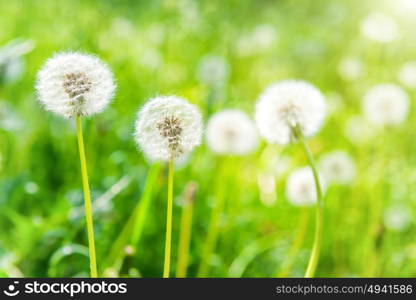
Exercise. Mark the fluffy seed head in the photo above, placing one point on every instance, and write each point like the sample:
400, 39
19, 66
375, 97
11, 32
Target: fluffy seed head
231, 132
350, 68
73, 83
300, 187
407, 75
168, 127
380, 28
386, 104
337, 167
397, 218
213, 70
288, 104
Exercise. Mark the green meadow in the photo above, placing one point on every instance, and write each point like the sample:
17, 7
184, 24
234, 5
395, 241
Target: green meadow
159, 48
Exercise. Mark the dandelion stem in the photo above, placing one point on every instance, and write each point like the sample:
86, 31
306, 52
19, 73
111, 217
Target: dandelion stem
87, 198
316, 249
166, 268
184, 238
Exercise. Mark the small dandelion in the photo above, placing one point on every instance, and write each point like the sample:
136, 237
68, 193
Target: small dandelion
407, 75
167, 128
358, 130
337, 168
286, 105
386, 105
288, 111
73, 84
213, 70
380, 28
397, 218
350, 68
231, 132
301, 188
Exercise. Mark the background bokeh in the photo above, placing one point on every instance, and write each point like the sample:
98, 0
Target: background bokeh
217, 54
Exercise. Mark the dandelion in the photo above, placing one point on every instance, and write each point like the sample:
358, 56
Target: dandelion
407, 75
168, 127
288, 104
397, 218
73, 85
288, 111
337, 167
358, 130
386, 105
350, 68
380, 28
231, 132
301, 188
213, 70
260, 39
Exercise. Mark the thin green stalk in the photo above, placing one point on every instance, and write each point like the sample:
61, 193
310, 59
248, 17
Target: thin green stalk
185, 236
166, 267
87, 198
316, 249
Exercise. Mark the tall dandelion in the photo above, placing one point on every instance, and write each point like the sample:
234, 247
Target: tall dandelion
73, 85
289, 111
168, 127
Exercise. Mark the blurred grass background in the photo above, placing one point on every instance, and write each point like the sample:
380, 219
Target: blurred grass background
155, 47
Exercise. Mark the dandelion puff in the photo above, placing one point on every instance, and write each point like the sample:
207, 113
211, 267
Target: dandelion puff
380, 28
75, 84
301, 187
231, 132
350, 68
212, 70
168, 127
286, 105
337, 167
407, 74
386, 104
396, 218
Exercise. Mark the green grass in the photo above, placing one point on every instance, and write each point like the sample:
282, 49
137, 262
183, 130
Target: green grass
154, 47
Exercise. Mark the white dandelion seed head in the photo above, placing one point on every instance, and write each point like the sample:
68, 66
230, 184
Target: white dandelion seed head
287, 104
386, 104
300, 187
213, 70
168, 127
337, 168
397, 218
350, 68
231, 132
380, 27
358, 130
73, 83
407, 75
